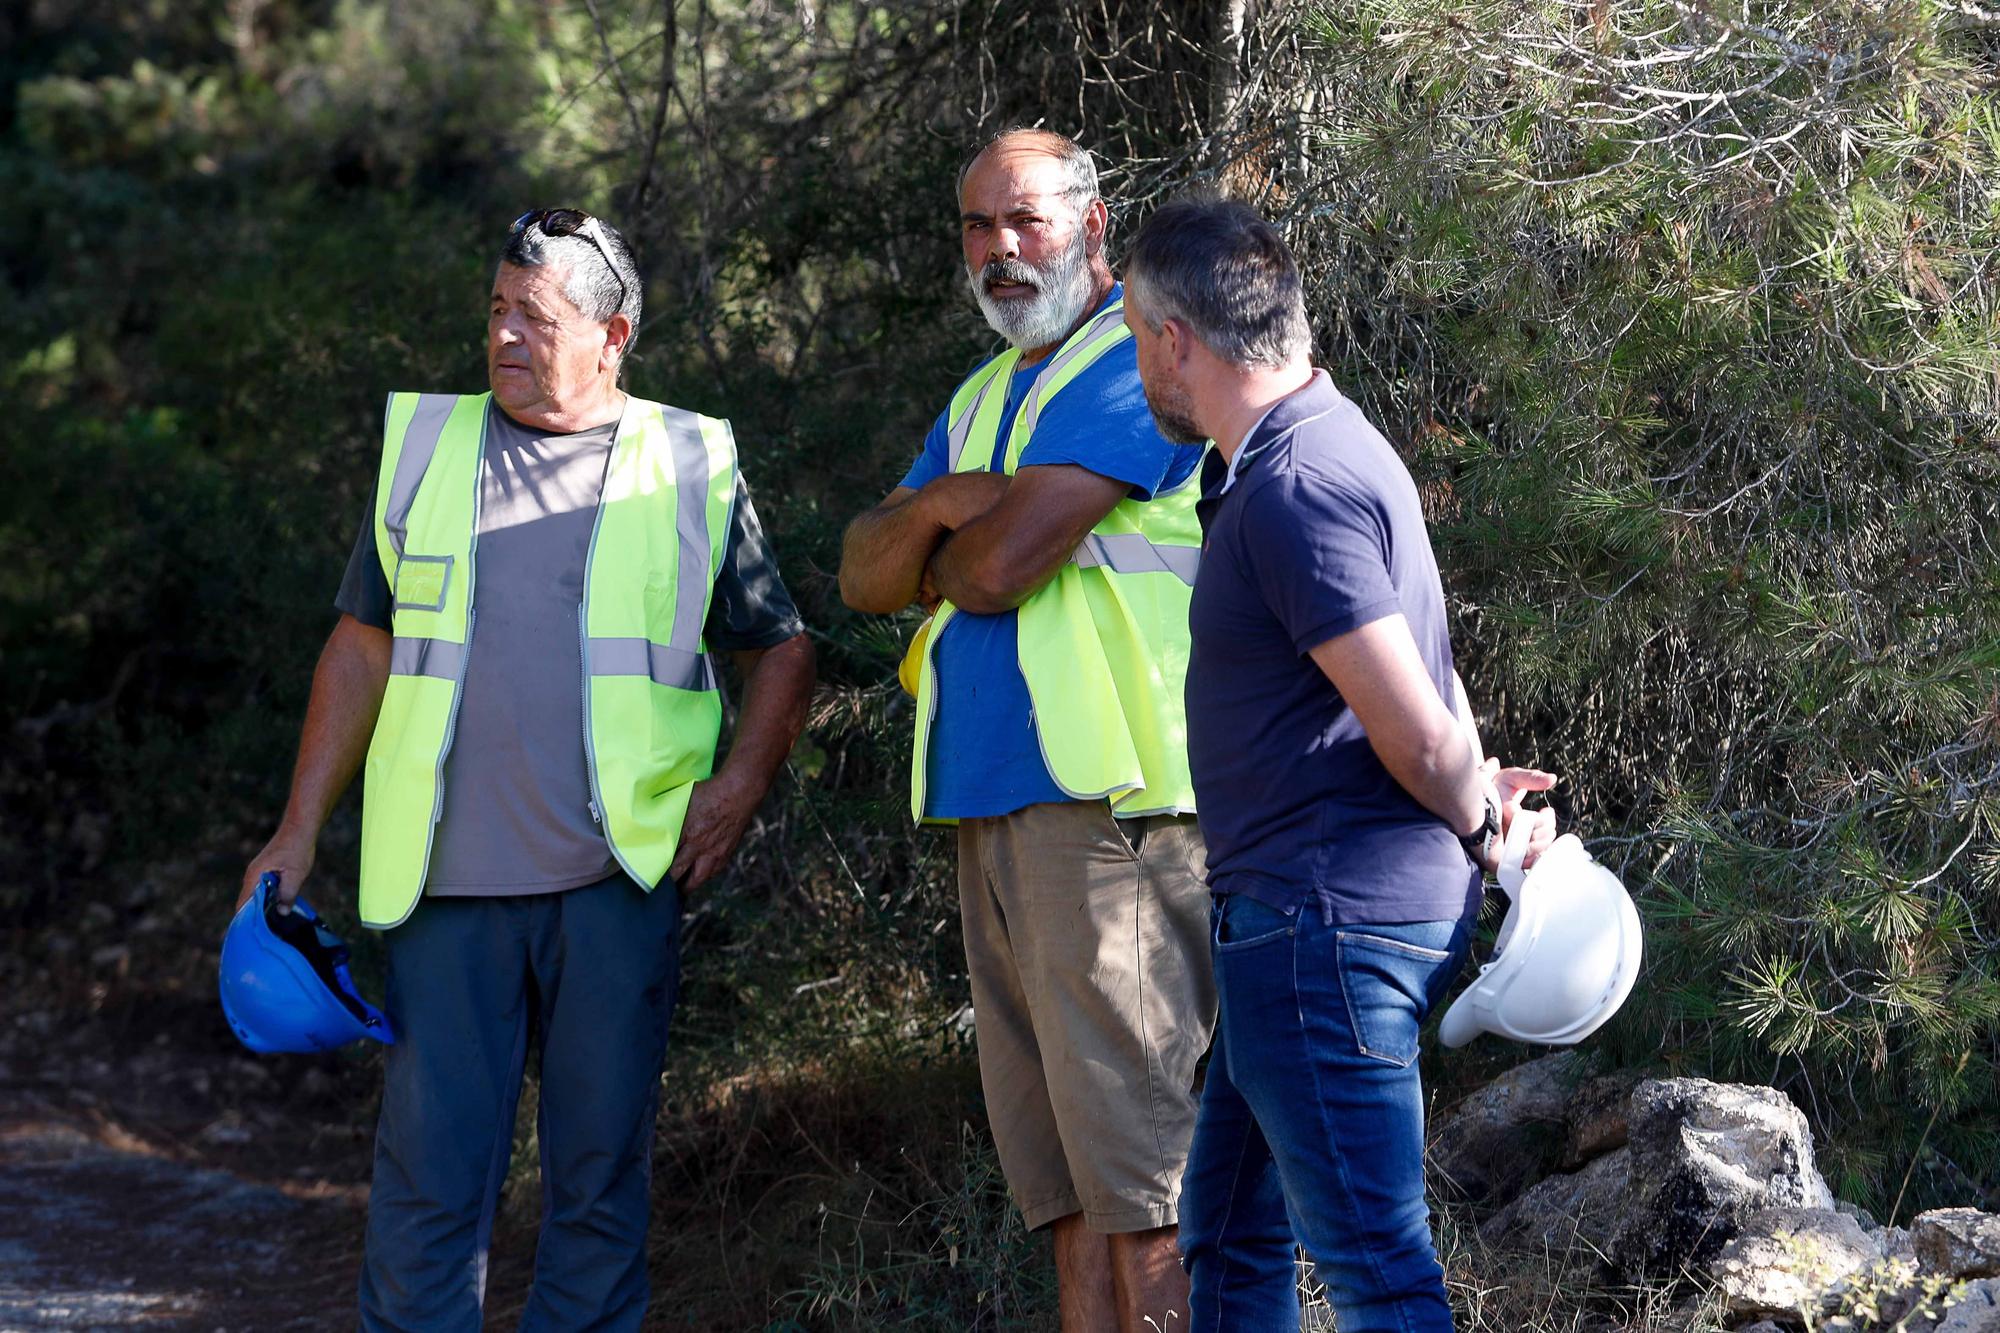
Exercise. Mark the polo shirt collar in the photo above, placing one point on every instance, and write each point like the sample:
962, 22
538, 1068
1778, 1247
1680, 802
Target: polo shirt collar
1311, 400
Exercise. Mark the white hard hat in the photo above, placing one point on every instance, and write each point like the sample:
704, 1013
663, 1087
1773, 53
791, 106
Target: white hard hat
1567, 954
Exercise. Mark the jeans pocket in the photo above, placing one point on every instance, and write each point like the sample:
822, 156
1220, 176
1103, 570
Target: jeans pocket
1244, 923
1387, 982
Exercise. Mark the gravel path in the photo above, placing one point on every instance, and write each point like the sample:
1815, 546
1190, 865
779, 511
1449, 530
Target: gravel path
100, 1229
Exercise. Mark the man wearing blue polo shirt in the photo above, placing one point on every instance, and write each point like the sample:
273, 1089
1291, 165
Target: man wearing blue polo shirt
1053, 530
1339, 795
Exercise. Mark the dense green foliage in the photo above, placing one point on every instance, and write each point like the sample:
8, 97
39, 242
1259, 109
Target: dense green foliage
1687, 326
1693, 326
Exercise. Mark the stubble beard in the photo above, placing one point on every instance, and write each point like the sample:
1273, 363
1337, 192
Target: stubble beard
1062, 296
1173, 414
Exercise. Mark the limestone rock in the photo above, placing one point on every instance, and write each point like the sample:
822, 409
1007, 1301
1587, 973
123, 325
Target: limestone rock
1504, 1137
1595, 1118
1896, 1245
1702, 1155
1859, 1214
1975, 1308
1958, 1242
1782, 1260
1576, 1213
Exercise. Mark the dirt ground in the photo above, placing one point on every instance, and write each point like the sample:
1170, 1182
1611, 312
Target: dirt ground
152, 1181
153, 1175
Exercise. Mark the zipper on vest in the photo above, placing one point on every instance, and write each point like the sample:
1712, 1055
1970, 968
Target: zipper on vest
457, 695
589, 744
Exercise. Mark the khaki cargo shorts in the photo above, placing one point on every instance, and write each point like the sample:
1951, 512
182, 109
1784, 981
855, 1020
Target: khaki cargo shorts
1086, 939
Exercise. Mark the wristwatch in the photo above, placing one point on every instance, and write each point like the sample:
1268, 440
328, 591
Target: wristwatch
1480, 839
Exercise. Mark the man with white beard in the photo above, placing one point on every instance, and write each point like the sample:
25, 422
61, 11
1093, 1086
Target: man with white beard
1052, 529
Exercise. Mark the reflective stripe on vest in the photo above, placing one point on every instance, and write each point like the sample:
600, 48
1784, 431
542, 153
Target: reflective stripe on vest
658, 662
1135, 553
1103, 645
649, 711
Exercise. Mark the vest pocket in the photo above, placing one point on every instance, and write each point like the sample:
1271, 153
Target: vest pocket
422, 582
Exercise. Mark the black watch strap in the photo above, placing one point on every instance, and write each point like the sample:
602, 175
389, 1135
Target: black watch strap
1477, 841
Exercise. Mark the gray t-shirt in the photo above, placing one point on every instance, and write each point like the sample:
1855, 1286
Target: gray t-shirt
516, 815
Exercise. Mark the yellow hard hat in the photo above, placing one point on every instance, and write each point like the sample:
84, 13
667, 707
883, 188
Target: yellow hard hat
913, 658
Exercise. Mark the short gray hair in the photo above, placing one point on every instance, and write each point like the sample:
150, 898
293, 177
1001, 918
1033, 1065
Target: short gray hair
600, 283
1079, 167
1221, 269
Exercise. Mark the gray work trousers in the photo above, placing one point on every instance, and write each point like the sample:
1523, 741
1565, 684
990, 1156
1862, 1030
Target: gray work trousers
586, 978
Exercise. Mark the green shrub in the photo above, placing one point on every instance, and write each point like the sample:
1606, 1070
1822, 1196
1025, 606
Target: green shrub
1688, 324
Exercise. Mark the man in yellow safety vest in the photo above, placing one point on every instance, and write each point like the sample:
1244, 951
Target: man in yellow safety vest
522, 658
1053, 529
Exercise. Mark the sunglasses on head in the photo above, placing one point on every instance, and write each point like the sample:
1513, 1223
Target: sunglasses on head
571, 222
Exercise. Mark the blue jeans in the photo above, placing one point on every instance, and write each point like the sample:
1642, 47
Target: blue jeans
587, 977
1311, 1129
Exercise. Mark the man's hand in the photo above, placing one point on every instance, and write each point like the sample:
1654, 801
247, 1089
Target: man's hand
718, 812
1004, 554
290, 853
777, 683
1512, 784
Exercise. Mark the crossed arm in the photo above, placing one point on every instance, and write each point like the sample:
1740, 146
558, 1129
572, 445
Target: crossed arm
987, 542
983, 541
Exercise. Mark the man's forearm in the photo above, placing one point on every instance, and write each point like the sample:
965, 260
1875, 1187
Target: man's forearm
777, 687
347, 689
1444, 779
1007, 551
882, 556
1376, 668
885, 551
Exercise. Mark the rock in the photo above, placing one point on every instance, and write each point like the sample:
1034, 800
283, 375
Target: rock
229, 1130
1783, 1260
1858, 1213
1957, 1242
1896, 1245
1975, 1308
1572, 1213
1761, 1326
251, 1072
1595, 1119
1702, 1156
1506, 1136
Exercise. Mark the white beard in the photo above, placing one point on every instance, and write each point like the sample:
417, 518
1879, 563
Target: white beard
1062, 296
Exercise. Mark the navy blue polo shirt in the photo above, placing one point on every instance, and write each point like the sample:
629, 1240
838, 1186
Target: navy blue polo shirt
1317, 531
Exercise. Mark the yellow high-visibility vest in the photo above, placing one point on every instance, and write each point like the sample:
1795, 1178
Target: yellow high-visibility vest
649, 709
1104, 644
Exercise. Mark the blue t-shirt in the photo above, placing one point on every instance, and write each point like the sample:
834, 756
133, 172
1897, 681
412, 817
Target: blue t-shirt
985, 758
1319, 533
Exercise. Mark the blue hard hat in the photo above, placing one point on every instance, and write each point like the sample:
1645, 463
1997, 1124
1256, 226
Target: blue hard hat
284, 982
